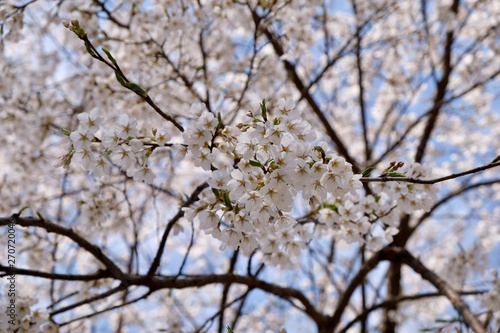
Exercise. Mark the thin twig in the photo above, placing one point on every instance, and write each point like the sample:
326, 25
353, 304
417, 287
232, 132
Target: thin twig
430, 181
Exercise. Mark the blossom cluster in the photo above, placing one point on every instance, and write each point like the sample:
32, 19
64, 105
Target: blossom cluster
122, 146
373, 219
258, 171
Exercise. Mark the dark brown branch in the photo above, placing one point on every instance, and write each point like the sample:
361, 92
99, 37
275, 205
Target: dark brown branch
194, 197
54, 276
69, 233
116, 68
361, 87
90, 315
158, 282
442, 88
396, 254
368, 266
290, 294
89, 300
430, 181
187, 83
294, 77
111, 17
451, 196
400, 299
225, 292
400, 140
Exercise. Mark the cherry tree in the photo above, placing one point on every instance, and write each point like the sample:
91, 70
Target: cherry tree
250, 166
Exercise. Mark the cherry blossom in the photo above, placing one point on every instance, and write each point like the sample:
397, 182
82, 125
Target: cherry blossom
251, 165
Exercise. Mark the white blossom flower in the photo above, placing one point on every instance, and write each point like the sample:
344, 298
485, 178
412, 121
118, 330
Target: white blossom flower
197, 110
49, 327
375, 243
219, 179
248, 244
126, 127
246, 146
162, 136
89, 122
135, 145
81, 138
110, 141
123, 156
231, 237
204, 159
102, 167
208, 219
144, 174
86, 158
287, 109
238, 184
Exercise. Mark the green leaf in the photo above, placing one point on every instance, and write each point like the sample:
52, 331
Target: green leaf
22, 209
368, 170
65, 131
104, 34
137, 89
331, 207
40, 216
216, 192
393, 174
219, 118
120, 78
110, 57
396, 174
89, 49
319, 149
79, 32
439, 320
107, 152
229, 329
255, 163
263, 108
227, 201
497, 159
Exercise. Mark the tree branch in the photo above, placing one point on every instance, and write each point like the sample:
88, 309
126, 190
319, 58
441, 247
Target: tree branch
430, 181
50, 227
100, 274
180, 213
294, 77
369, 265
400, 299
396, 254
